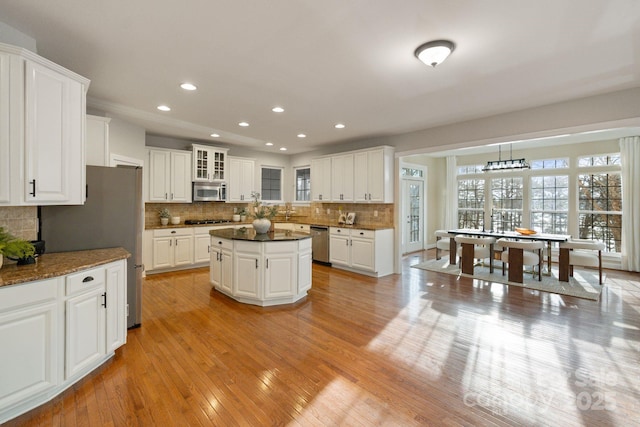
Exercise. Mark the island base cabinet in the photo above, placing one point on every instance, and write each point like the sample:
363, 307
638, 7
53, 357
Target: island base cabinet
246, 272
30, 345
280, 269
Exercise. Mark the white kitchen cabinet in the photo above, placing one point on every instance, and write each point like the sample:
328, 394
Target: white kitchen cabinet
221, 267
321, 179
42, 111
85, 320
246, 270
116, 300
241, 179
280, 269
209, 163
169, 176
55, 331
373, 178
341, 178
202, 243
31, 342
97, 141
172, 248
364, 251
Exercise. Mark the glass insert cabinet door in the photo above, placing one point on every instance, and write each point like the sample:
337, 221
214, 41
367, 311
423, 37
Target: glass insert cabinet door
209, 164
201, 164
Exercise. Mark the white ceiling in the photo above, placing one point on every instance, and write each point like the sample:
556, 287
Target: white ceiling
330, 61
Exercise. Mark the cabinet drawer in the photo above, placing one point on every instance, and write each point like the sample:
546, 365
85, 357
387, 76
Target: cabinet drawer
173, 232
365, 234
302, 228
20, 295
217, 242
339, 231
85, 280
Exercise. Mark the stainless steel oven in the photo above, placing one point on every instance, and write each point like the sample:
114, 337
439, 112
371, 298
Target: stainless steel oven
209, 191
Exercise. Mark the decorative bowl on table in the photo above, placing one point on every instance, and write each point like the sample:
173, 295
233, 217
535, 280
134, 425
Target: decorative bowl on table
525, 231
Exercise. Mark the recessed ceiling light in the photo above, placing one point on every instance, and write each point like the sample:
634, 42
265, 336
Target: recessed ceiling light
269, 144
339, 126
215, 135
277, 109
164, 108
243, 124
188, 86
283, 148
302, 135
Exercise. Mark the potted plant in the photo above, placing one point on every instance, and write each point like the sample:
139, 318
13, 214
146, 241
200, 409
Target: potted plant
243, 214
16, 249
164, 216
262, 214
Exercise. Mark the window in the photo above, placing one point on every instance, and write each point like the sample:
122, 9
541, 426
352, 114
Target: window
471, 203
550, 204
411, 172
271, 184
602, 160
469, 169
507, 201
550, 164
303, 184
600, 208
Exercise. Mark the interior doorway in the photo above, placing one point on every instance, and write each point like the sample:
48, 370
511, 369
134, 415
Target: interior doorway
413, 207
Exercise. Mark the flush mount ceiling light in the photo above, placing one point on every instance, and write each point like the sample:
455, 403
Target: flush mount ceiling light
164, 108
501, 165
188, 86
269, 144
339, 126
283, 148
302, 135
243, 124
434, 52
215, 135
277, 109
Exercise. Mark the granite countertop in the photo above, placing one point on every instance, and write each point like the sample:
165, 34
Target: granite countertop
249, 234
59, 264
248, 225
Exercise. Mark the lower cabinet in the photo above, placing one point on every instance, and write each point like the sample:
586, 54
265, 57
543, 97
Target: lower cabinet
55, 331
364, 251
172, 247
221, 267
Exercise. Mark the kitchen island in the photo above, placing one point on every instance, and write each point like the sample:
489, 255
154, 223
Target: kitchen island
261, 269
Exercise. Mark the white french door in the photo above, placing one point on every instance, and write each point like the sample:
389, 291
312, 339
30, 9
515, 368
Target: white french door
413, 215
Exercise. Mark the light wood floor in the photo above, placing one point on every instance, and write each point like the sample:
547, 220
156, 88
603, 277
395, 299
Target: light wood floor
417, 348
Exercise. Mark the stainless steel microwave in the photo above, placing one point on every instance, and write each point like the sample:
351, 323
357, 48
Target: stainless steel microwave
209, 191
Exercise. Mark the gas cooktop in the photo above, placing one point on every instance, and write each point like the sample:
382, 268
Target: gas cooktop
205, 221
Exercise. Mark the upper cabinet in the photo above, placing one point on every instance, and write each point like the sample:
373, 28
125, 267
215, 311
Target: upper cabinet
169, 176
321, 179
42, 137
209, 163
98, 141
373, 180
362, 176
241, 179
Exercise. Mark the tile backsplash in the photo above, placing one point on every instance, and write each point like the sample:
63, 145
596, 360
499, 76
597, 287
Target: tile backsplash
314, 213
20, 221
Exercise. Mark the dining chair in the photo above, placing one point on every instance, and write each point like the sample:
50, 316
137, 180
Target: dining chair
519, 253
443, 241
581, 252
472, 248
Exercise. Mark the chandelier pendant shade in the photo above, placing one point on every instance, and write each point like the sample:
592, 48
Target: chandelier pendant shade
434, 52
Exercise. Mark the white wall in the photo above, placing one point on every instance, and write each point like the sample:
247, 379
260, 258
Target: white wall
10, 35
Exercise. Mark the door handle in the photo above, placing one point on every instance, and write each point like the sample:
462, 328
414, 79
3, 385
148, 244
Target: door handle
33, 191
104, 300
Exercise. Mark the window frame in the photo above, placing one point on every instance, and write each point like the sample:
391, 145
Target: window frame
262, 193
295, 185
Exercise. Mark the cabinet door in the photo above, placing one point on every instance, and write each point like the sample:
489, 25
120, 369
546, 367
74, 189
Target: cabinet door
116, 288
183, 248
202, 248
181, 177
159, 175
361, 176
241, 179
304, 270
54, 137
377, 175
201, 162
280, 275
246, 277
5, 136
162, 252
362, 253
339, 249
215, 267
85, 326
321, 179
226, 271
28, 360
97, 141
342, 178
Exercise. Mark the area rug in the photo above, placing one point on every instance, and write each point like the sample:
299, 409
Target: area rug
583, 284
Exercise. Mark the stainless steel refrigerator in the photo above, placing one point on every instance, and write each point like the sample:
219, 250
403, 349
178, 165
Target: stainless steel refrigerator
112, 216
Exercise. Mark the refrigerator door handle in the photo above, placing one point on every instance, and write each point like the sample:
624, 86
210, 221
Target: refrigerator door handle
139, 266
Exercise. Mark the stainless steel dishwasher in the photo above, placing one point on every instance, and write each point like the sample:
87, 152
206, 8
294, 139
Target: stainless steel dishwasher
320, 243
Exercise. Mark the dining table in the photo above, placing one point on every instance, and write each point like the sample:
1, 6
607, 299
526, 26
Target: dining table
544, 237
